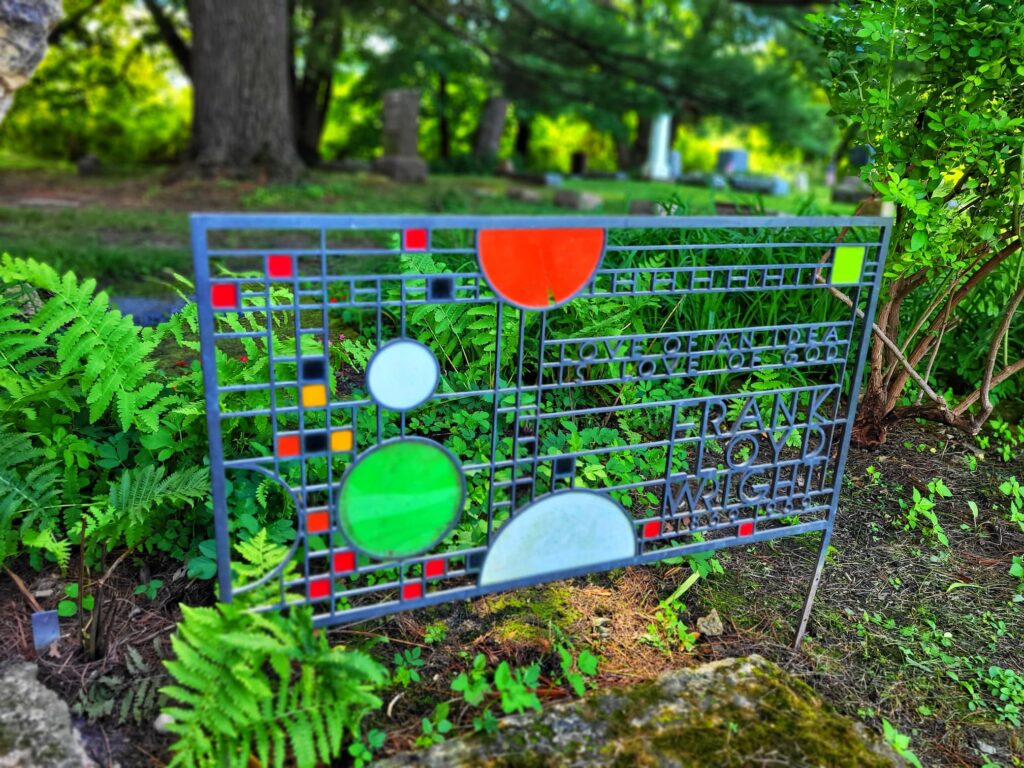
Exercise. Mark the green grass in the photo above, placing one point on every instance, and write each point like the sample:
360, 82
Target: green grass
132, 248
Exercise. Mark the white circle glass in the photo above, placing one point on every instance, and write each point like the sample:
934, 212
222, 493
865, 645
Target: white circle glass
402, 374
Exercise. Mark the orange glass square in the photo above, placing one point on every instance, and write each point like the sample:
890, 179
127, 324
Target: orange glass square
318, 521
314, 396
341, 440
287, 445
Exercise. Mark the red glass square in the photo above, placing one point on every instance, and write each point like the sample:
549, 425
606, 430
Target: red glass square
651, 529
319, 588
280, 265
318, 522
287, 445
434, 568
415, 240
224, 296
746, 528
344, 562
412, 590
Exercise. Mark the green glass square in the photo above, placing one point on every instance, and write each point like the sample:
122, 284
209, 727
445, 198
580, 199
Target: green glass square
847, 264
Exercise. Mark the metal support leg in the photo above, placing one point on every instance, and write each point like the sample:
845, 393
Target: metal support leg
826, 536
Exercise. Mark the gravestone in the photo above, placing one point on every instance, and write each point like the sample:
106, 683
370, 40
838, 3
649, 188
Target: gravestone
657, 165
578, 163
675, 164
850, 189
861, 155
762, 185
732, 161
491, 127
401, 119
24, 27
524, 195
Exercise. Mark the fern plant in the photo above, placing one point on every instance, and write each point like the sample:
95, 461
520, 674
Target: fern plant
29, 495
94, 347
264, 687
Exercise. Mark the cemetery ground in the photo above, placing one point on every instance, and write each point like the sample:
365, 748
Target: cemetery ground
908, 631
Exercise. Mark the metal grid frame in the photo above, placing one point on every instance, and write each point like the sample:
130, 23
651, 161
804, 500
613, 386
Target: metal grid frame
800, 493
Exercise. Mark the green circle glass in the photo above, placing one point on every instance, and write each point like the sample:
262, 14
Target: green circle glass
401, 498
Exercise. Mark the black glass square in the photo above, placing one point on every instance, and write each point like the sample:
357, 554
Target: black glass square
475, 561
314, 369
315, 442
565, 465
440, 288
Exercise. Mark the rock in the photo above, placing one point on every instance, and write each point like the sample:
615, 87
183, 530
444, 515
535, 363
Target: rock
735, 712
35, 724
645, 208
850, 189
89, 165
540, 178
710, 625
24, 27
163, 720
524, 195
578, 201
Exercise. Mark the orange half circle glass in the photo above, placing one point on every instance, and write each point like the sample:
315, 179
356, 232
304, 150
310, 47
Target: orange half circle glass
539, 268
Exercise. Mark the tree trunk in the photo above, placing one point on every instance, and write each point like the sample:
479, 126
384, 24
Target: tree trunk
241, 113
313, 88
491, 127
444, 126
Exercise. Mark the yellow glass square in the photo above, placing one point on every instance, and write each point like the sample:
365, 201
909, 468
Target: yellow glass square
341, 440
314, 396
847, 264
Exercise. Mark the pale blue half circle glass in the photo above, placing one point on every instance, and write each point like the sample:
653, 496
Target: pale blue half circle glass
566, 531
402, 374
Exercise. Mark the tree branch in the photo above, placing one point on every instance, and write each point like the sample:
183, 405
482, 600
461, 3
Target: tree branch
171, 37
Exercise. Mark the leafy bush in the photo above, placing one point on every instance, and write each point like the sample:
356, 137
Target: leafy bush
934, 87
265, 687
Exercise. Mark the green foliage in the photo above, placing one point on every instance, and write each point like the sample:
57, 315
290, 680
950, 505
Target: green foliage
407, 663
920, 511
264, 687
132, 697
900, 743
96, 350
473, 683
668, 631
577, 669
934, 87
434, 727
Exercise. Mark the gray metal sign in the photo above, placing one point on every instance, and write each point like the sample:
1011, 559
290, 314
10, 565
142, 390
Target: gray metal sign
457, 405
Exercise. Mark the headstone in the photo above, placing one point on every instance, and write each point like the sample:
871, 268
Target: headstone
491, 127
578, 163
506, 166
89, 165
675, 164
540, 178
577, 200
762, 185
850, 190
830, 175
801, 182
732, 161
657, 166
401, 160
24, 27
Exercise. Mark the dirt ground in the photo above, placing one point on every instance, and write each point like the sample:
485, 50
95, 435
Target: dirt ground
870, 669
